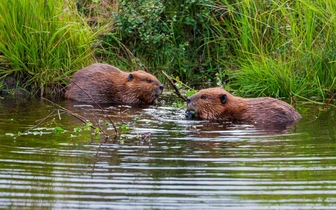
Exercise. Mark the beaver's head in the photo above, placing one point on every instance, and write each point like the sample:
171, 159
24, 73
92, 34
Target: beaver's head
212, 104
142, 87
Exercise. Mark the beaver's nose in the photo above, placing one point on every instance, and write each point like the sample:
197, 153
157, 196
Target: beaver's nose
188, 100
161, 86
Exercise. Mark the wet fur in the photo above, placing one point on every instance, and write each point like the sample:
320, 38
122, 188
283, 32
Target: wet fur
208, 104
108, 84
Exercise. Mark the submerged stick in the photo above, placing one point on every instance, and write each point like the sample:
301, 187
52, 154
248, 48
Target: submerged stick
41, 121
79, 117
177, 92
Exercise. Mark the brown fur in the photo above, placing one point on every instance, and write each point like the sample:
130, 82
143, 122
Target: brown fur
207, 104
108, 84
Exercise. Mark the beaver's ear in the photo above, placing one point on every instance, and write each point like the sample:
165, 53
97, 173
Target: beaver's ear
130, 77
223, 98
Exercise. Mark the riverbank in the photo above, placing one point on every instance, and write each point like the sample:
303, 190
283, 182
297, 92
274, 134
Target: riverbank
252, 48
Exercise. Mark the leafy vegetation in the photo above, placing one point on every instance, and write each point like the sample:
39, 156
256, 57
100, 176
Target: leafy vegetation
175, 36
257, 48
253, 47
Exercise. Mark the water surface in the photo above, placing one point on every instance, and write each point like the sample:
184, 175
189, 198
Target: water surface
178, 164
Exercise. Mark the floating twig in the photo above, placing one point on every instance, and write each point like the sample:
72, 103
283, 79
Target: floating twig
79, 117
41, 121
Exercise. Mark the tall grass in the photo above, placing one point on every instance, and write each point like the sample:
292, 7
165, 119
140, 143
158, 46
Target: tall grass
274, 48
283, 48
41, 42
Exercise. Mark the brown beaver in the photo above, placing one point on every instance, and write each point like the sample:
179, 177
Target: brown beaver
218, 104
108, 84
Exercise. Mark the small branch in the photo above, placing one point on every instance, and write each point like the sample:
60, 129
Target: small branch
82, 119
41, 121
326, 106
177, 92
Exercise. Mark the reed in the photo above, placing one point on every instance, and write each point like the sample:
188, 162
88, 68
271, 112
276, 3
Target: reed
42, 42
283, 48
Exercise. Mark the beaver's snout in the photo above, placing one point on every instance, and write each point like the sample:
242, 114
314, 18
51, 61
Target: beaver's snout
190, 114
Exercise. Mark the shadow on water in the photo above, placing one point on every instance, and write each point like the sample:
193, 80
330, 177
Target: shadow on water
181, 164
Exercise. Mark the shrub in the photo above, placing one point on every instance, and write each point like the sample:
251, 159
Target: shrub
179, 37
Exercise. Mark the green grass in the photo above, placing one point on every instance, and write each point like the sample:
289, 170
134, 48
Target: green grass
263, 48
254, 47
42, 42
284, 48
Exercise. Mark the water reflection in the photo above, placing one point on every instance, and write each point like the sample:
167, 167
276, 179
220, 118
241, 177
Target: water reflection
184, 164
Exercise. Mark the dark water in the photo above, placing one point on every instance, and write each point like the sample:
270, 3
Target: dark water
182, 164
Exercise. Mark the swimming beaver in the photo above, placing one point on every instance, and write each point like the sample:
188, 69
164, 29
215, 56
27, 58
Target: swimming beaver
108, 84
218, 104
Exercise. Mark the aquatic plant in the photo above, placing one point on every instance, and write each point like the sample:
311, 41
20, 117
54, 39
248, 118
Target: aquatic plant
42, 42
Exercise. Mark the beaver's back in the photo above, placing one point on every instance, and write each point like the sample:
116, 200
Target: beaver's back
270, 110
107, 84
93, 70
218, 104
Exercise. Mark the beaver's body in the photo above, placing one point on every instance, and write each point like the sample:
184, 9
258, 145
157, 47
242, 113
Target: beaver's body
218, 104
108, 84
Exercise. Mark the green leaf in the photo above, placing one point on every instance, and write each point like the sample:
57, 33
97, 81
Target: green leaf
123, 128
59, 130
77, 129
97, 131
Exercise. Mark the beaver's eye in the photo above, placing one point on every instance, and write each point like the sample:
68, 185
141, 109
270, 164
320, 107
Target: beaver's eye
203, 97
148, 81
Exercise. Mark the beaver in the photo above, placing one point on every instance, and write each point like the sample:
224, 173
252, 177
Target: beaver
108, 84
218, 104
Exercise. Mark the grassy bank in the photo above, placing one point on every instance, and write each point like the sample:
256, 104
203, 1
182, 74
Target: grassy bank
42, 42
255, 48
284, 49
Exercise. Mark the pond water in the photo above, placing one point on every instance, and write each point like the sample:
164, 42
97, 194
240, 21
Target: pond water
162, 161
